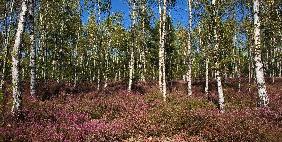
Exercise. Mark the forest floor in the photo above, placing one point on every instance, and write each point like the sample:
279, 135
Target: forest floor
66, 113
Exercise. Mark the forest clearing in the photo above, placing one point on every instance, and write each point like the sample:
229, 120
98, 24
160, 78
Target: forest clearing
141, 70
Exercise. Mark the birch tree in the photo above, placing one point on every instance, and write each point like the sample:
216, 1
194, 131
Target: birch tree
162, 33
32, 49
217, 72
263, 98
160, 42
131, 62
17, 95
189, 55
144, 43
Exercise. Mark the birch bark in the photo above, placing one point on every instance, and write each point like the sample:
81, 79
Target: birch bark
163, 48
189, 72
217, 72
263, 98
17, 95
131, 63
32, 50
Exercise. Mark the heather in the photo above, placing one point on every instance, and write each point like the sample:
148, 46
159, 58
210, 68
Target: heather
82, 113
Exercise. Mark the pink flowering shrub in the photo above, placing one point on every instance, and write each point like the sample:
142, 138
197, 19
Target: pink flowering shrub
122, 116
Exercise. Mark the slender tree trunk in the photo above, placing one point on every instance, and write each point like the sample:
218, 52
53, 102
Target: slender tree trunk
220, 91
239, 72
119, 70
17, 95
217, 72
131, 63
279, 48
160, 43
76, 58
235, 67
189, 72
42, 35
206, 64
280, 69
106, 74
273, 60
44, 48
162, 50
32, 50
250, 67
257, 58
207, 76
280, 64
131, 69
143, 57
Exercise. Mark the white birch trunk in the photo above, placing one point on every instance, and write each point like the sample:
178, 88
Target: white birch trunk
279, 62
76, 58
143, 57
32, 50
280, 65
250, 68
131, 69
162, 50
235, 67
257, 58
144, 44
217, 72
220, 91
131, 63
160, 43
99, 80
207, 76
189, 72
206, 65
107, 61
17, 96
239, 72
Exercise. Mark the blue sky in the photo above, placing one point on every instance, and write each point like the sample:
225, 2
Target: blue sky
179, 12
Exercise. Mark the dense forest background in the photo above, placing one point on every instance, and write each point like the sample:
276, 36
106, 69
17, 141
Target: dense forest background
227, 57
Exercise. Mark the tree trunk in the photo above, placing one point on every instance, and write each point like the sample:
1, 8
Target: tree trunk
273, 60
162, 74
220, 91
131, 63
160, 43
217, 72
257, 58
189, 72
17, 96
144, 43
239, 72
207, 76
280, 64
32, 50
106, 74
